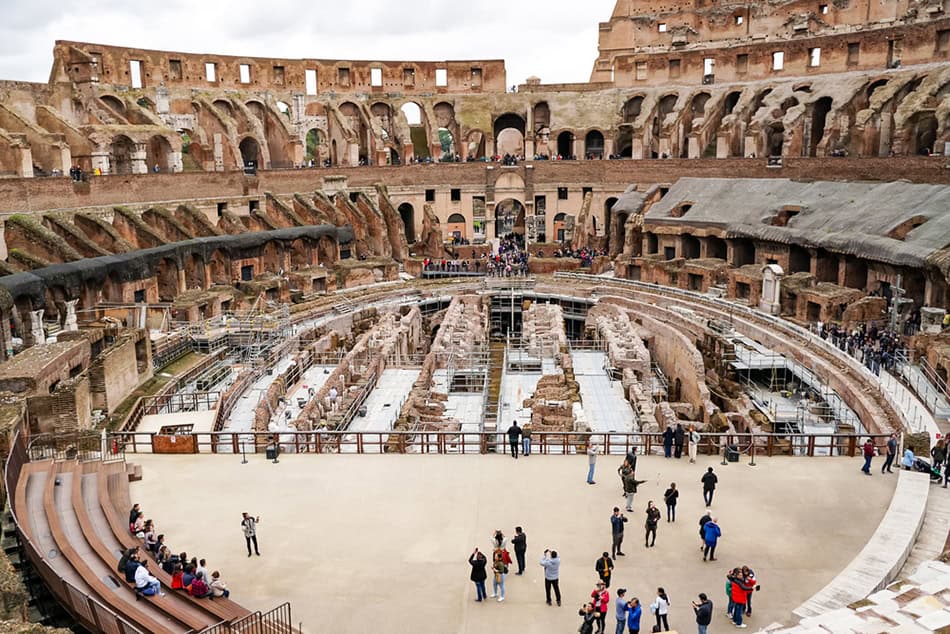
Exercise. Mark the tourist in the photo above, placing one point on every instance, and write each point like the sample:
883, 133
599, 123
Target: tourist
151, 537
589, 615
703, 611
620, 604
617, 520
908, 460
202, 571
514, 435
694, 439
199, 587
163, 555
653, 518
668, 441
178, 574
520, 542
188, 577
138, 526
249, 525
729, 576
709, 481
127, 555
939, 453
218, 587
740, 591
661, 608
630, 484
526, 440
552, 567
145, 583
890, 453
946, 473
670, 497
499, 569
679, 436
600, 599
749, 575
333, 396
711, 535
131, 567
702, 526
591, 461
868, 454
478, 576
498, 540
133, 515
603, 567
633, 616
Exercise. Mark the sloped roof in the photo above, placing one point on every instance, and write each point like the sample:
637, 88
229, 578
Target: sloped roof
853, 218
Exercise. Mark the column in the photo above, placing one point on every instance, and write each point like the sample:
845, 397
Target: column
70, 322
36, 327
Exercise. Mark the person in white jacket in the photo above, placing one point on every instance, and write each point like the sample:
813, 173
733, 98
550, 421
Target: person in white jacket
145, 583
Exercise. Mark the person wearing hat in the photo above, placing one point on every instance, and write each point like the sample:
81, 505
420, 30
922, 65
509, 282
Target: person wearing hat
703, 611
621, 604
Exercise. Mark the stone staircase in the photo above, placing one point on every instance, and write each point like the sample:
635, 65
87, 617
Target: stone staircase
933, 533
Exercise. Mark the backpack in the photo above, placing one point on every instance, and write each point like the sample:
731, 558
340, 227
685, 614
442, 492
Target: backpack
506, 558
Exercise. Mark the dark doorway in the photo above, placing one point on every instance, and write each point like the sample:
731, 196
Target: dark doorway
408, 215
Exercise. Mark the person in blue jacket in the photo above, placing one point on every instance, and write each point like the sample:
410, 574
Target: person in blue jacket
633, 616
711, 535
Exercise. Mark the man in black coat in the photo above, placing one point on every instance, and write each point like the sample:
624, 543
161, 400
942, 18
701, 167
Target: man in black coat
478, 562
679, 437
703, 611
709, 481
514, 438
520, 542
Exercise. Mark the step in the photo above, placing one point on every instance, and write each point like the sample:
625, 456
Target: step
933, 533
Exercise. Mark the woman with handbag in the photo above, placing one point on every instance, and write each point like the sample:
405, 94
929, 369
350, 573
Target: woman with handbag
661, 608
498, 582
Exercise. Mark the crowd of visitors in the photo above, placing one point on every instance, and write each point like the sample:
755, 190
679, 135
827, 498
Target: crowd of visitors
187, 575
875, 347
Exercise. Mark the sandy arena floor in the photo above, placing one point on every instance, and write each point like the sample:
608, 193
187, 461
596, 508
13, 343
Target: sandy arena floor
380, 543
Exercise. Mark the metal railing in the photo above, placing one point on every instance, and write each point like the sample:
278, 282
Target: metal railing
276, 621
459, 442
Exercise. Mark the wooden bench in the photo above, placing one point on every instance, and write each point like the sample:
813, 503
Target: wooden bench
148, 616
113, 483
182, 611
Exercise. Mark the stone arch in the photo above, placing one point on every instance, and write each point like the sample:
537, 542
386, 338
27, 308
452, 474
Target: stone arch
565, 144
408, 216
158, 152
250, 152
509, 217
509, 181
509, 132
819, 117
357, 124
924, 132
418, 128
448, 128
167, 278
195, 274
730, 102
594, 145
114, 103
542, 116
225, 106
257, 109
698, 104
300, 254
474, 144
122, 149
314, 141
284, 109
559, 221
632, 108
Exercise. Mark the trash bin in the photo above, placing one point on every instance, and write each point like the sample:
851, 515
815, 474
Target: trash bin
732, 454
272, 451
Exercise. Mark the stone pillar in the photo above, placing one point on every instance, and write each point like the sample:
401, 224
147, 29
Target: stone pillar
771, 299
141, 314
100, 161
579, 148
161, 100
218, 153
24, 161
174, 162
722, 146
608, 147
665, 146
887, 124
636, 148
529, 148
137, 158
36, 327
65, 158
751, 146
692, 147
70, 323
489, 146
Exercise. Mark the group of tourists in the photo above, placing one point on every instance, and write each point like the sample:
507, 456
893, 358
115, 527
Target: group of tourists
674, 440
188, 575
874, 347
500, 562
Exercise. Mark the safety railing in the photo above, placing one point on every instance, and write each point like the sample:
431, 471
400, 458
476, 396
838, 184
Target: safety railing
553, 443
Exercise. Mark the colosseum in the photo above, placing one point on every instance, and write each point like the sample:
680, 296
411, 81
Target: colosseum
225, 280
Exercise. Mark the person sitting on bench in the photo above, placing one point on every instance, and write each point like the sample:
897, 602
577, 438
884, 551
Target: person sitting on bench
145, 583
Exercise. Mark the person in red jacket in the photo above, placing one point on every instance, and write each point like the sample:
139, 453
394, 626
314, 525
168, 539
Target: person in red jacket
868, 454
600, 599
740, 593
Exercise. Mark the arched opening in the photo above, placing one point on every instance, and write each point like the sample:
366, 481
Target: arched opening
732, 99
300, 257
759, 100
559, 229
698, 107
167, 277
224, 106
122, 149
624, 146
383, 115
819, 117
873, 86
250, 152
456, 228
284, 109
475, 145
446, 142
925, 133
716, 248
594, 145
408, 216
542, 116
565, 145
775, 139
158, 154
353, 118
194, 271
328, 251
314, 142
257, 109
417, 129
509, 217
799, 259
690, 246
631, 109
114, 103
509, 130
787, 103
334, 159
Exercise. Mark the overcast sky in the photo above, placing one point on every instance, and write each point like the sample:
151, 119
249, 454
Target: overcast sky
554, 39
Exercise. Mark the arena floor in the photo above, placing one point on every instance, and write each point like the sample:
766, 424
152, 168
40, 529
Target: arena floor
363, 543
